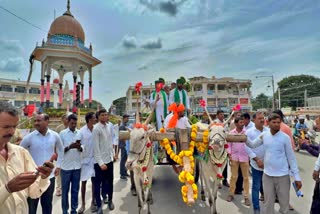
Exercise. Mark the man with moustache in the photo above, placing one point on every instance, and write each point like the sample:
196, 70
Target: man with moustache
42, 143
179, 95
20, 177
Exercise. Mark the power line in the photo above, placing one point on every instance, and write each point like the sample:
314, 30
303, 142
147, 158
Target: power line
28, 22
22, 19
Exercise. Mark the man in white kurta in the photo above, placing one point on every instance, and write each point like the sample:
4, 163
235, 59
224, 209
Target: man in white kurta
159, 101
179, 95
87, 161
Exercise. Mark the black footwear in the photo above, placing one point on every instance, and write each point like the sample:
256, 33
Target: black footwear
123, 177
238, 192
127, 175
133, 192
225, 183
110, 205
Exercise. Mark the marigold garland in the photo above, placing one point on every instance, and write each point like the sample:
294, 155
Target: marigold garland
184, 176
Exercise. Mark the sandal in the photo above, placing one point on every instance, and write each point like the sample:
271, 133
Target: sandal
247, 202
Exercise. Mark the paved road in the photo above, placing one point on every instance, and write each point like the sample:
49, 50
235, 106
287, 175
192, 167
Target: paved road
167, 197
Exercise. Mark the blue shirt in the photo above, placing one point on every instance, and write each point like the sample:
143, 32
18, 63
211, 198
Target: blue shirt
301, 126
279, 158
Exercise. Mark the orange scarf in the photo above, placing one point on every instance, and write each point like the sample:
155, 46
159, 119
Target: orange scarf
175, 109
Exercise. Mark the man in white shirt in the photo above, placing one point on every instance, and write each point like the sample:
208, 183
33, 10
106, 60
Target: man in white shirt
42, 144
256, 159
182, 122
87, 162
102, 137
279, 161
70, 163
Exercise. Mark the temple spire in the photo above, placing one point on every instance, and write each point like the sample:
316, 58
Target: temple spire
68, 5
68, 12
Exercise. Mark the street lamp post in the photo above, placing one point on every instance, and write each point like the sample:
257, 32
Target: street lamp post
272, 79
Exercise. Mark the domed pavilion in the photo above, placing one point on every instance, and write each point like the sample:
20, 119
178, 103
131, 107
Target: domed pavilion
65, 51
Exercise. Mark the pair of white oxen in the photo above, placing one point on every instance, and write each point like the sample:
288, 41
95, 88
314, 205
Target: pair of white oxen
140, 160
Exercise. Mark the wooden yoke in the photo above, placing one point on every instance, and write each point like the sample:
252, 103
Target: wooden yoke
157, 136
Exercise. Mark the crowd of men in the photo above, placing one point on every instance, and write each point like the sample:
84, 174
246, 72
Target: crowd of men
29, 176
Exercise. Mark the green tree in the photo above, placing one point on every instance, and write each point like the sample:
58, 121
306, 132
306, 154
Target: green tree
293, 88
261, 101
120, 104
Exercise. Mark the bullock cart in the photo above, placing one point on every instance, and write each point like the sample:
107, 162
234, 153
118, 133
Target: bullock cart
185, 141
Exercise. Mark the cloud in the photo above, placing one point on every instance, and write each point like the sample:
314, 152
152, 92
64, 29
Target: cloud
152, 44
10, 45
12, 65
169, 7
129, 42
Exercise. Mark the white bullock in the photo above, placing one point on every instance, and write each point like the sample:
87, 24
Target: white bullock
140, 160
211, 170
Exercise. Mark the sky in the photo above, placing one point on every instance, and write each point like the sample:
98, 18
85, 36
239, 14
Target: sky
142, 40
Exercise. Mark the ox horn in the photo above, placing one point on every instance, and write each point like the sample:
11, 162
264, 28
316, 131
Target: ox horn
229, 118
206, 110
137, 113
137, 117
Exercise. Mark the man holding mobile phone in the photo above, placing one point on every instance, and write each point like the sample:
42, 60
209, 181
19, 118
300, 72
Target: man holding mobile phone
18, 179
70, 164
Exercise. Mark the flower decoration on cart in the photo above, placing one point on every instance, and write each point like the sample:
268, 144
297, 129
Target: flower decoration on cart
186, 175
